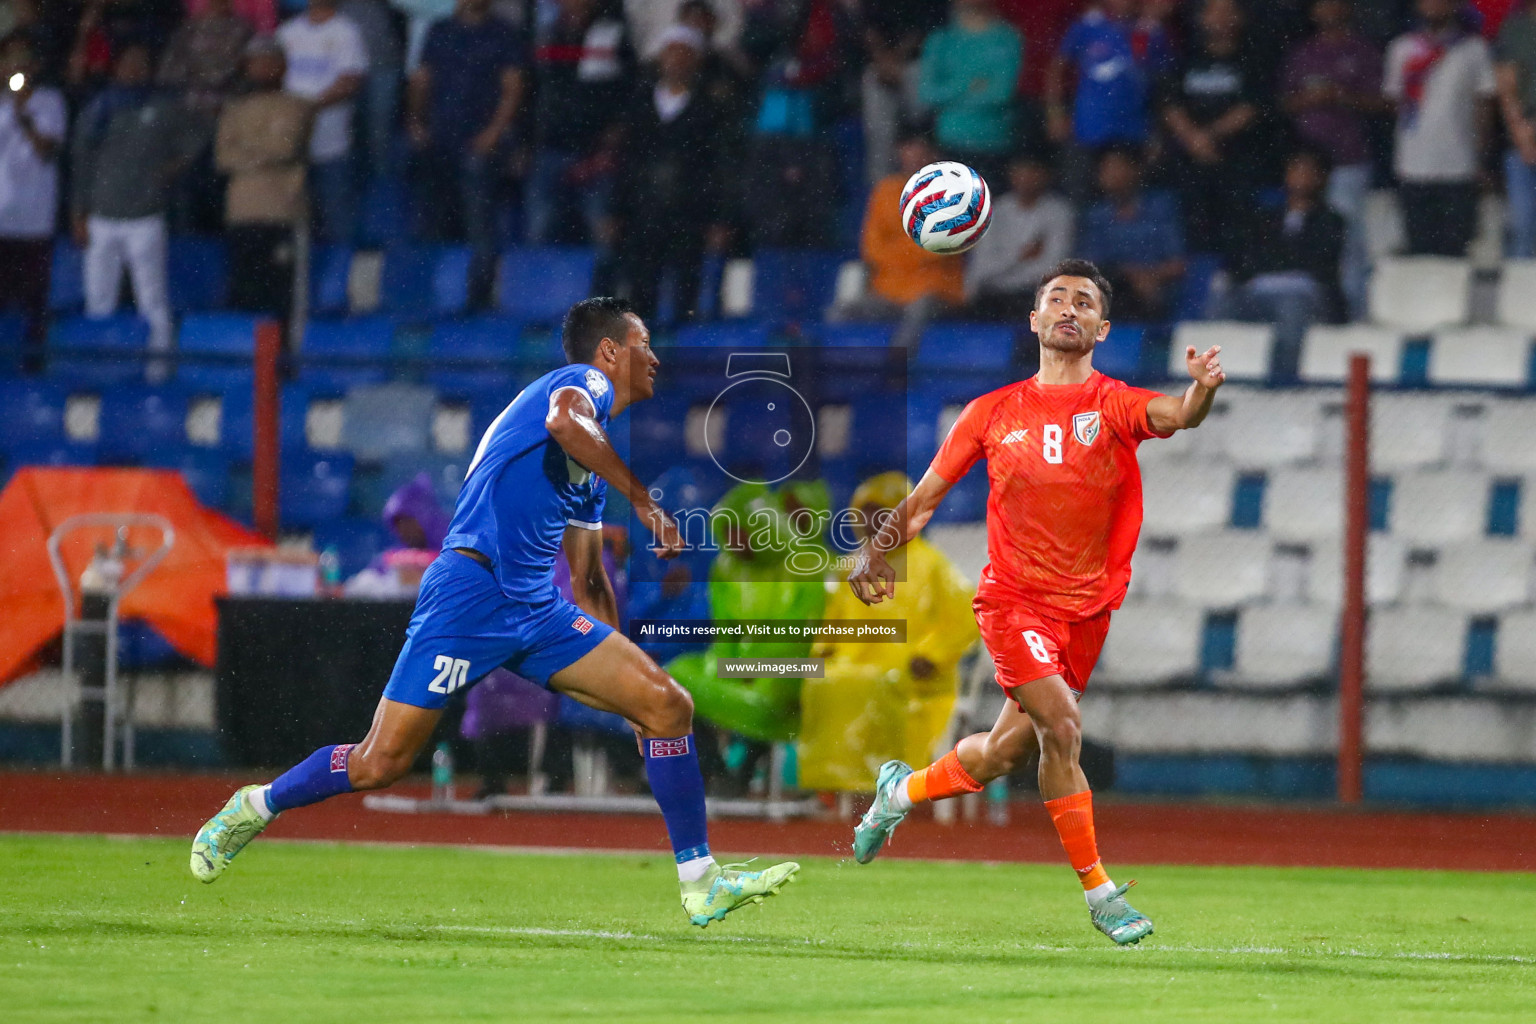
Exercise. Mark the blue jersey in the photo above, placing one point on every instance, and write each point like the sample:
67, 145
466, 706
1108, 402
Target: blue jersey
522, 491
1116, 64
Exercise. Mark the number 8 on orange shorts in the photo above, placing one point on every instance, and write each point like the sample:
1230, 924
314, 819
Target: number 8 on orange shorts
1026, 646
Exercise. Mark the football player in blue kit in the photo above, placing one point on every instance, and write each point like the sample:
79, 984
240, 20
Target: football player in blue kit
535, 488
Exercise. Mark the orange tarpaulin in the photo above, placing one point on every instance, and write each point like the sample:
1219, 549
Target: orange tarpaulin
176, 598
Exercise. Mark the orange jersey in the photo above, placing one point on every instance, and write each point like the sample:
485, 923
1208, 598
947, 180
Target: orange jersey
1064, 510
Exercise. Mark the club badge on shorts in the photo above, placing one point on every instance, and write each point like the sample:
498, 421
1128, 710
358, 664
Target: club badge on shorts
1085, 427
582, 625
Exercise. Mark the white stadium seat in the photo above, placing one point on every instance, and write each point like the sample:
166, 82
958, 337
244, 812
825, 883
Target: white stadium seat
1409, 431
1509, 425
1259, 429
1184, 497
1304, 504
1421, 293
1480, 355
1413, 648
851, 281
1326, 350
1439, 507
1517, 294
1482, 576
1151, 642
1385, 233
380, 420
1222, 569
1385, 571
1284, 644
1245, 348
736, 283
1514, 659
1152, 569
1487, 249
964, 544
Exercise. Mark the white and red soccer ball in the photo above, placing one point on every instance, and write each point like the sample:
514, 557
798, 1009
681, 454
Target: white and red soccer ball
946, 207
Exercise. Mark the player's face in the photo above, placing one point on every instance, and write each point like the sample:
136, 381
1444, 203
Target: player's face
638, 361
1069, 317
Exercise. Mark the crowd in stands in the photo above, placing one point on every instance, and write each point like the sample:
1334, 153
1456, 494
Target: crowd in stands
1134, 132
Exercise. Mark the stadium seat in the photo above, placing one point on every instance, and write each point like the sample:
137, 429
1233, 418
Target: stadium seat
136, 422
1486, 575
964, 544
1283, 645
1421, 293
1413, 648
1517, 294
1439, 507
966, 501
1385, 234
34, 412
1326, 351
1508, 427
736, 281
484, 348
330, 271
197, 273
540, 284
724, 334
794, 285
1153, 567
1260, 429
868, 334
1222, 568
1245, 348
962, 346
1304, 503
1121, 353
878, 431
425, 280
1385, 571
446, 472
205, 470
1194, 294
346, 353
237, 420
98, 352
1515, 652
313, 488
1184, 497
357, 542
384, 419
228, 343
1152, 643
1409, 430
1480, 355
66, 276
49, 453
852, 281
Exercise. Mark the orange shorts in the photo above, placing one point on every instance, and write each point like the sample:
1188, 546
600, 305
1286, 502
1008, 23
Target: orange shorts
1026, 646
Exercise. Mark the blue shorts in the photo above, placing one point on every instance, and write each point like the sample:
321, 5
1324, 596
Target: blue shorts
464, 627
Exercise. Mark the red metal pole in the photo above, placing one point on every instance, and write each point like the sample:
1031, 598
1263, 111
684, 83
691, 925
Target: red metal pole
264, 447
1357, 512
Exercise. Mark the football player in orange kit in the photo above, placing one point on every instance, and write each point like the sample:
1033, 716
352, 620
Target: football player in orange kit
1063, 515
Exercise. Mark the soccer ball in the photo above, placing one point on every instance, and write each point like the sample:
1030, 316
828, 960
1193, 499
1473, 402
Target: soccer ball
946, 207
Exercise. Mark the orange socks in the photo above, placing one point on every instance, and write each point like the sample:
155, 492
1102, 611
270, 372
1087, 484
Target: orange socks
1073, 818
944, 778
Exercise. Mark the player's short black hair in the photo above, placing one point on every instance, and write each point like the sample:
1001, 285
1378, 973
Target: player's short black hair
589, 322
1078, 268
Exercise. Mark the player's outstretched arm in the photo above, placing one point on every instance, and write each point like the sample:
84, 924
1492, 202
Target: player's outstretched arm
1167, 414
875, 580
572, 422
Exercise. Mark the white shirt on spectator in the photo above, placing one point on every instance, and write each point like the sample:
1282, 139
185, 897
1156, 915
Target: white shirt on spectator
1438, 141
29, 185
648, 19
318, 54
996, 264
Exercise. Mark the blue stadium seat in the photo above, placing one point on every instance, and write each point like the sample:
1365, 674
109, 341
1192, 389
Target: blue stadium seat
34, 412
869, 334
357, 542
488, 342
960, 346
237, 420
1200, 270
334, 352
794, 285
197, 273
878, 431
206, 471
384, 212
66, 278
1120, 354
135, 422
56, 453
313, 488
330, 268
228, 340
101, 352
966, 502
426, 280
725, 334
539, 284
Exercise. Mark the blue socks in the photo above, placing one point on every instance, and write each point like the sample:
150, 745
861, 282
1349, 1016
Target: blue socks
672, 768
319, 776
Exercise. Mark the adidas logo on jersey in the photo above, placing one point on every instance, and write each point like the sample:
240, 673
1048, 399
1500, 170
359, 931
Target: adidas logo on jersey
1016, 435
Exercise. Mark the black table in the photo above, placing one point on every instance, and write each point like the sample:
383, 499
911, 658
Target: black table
294, 674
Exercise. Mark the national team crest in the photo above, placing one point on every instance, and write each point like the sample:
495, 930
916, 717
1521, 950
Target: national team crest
597, 383
582, 625
1085, 427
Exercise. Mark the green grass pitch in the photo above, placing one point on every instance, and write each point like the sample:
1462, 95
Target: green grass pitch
95, 929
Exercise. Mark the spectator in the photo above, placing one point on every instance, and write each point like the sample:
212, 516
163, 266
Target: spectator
465, 97
32, 127
585, 70
650, 21
970, 76
1289, 266
1114, 58
893, 37
668, 200
378, 101
1330, 85
106, 27
1031, 232
1441, 77
906, 282
326, 65
203, 59
263, 145
1213, 108
1135, 237
1516, 69
47, 37
725, 76
129, 147
261, 15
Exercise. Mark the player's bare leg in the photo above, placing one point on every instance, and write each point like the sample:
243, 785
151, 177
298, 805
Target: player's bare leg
618, 676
